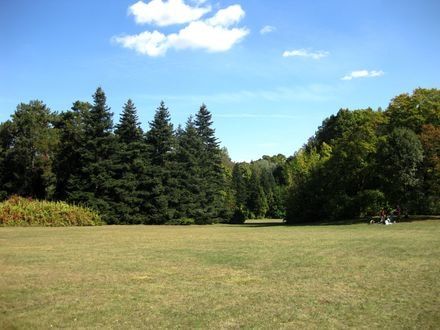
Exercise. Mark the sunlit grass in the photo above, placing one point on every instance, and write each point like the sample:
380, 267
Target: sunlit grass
246, 276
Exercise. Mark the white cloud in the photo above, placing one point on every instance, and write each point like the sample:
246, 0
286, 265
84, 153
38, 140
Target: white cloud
165, 12
363, 74
146, 43
267, 29
213, 38
306, 53
227, 17
214, 35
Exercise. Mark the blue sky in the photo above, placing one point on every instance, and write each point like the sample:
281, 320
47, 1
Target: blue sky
269, 71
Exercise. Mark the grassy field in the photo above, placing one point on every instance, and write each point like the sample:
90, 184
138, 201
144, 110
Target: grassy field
238, 276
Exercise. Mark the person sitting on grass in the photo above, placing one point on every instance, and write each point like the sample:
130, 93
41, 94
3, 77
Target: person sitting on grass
383, 215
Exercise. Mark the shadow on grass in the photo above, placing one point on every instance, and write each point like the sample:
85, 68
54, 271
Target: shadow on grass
260, 223
366, 221
279, 222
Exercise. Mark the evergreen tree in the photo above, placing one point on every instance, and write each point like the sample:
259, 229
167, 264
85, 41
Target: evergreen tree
94, 184
130, 168
6, 140
128, 130
189, 171
68, 164
162, 192
240, 179
257, 201
213, 184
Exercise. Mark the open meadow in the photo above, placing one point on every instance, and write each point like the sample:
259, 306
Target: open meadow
221, 276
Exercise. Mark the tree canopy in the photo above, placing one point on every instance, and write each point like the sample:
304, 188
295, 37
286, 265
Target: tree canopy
357, 162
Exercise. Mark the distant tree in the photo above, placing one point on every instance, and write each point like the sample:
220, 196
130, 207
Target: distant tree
128, 130
213, 186
399, 157
68, 162
94, 184
28, 145
257, 201
6, 140
162, 193
240, 181
413, 111
305, 198
189, 171
430, 169
131, 164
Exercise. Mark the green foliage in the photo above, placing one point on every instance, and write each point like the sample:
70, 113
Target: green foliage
357, 162
130, 169
239, 216
162, 189
19, 211
188, 170
430, 169
360, 161
213, 186
27, 151
93, 184
128, 130
181, 221
399, 157
370, 201
68, 161
414, 111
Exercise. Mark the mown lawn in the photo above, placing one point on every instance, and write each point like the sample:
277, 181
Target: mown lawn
220, 276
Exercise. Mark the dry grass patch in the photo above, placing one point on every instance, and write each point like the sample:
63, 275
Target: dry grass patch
224, 277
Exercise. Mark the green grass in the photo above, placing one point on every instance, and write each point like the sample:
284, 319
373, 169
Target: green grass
220, 276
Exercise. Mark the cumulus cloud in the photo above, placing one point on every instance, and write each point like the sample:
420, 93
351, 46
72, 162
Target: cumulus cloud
227, 17
147, 43
215, 34
306, 53
164, 13
267, 29
363, 74
213, 38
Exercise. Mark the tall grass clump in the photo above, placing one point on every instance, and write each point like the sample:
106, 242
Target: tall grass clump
19, 211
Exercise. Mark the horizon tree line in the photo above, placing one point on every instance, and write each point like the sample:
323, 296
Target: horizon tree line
356, 163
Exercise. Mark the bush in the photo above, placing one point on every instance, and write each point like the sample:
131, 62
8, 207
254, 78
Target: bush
19, 211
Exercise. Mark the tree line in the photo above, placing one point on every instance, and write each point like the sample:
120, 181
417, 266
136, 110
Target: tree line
356, 163
164, 175
361, 161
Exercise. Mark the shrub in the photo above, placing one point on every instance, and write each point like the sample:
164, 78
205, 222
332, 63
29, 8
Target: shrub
19, 211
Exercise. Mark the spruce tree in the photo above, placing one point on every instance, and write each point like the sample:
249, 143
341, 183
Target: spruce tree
94, 184
130, 168
189, 171
128, 130
213, 184
161, 142
68, 163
